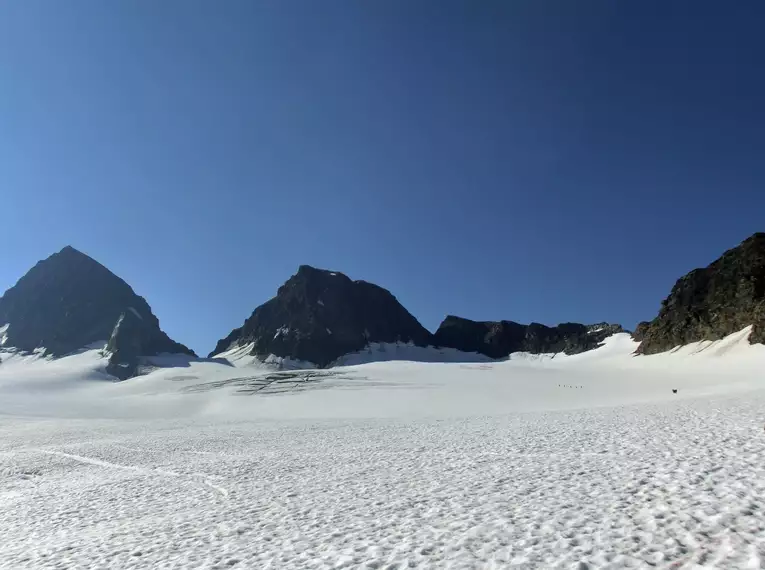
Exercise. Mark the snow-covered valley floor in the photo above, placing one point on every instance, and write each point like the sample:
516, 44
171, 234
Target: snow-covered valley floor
586, 462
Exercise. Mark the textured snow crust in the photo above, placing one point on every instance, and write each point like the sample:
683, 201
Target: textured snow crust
588, 461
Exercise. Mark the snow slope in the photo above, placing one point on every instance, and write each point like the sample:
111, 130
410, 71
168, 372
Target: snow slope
552, 461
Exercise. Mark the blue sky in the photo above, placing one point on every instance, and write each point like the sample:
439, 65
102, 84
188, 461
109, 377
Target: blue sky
545, 161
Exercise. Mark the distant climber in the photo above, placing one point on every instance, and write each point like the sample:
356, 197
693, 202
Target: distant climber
674, 390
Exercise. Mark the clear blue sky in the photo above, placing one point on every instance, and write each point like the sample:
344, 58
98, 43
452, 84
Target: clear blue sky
547, 161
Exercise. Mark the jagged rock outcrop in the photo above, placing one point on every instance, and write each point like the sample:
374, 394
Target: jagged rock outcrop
640, 331
498, 339
319, 315
713, 302
125, 346
69, 301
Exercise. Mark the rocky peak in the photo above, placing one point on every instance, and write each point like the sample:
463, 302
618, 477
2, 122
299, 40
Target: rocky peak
320, 315
712, 302
498, 339
69, 301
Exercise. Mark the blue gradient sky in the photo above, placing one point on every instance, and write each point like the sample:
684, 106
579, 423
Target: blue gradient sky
548, 161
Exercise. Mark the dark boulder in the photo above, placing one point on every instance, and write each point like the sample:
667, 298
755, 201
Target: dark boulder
319, 315
70, 301
498, 339
713, 302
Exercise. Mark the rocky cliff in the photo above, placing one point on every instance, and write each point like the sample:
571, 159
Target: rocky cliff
319, 315
69, 301
498, 339
712, 302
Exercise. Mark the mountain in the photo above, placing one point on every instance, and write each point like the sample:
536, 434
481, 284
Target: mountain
69, 301
319, 315
498, 339
712, 302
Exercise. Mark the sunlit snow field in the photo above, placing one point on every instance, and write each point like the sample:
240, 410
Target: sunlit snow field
588, 461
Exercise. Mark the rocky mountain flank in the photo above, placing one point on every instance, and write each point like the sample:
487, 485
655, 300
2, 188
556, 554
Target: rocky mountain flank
498, 339
712, 302
319, 315
69, 301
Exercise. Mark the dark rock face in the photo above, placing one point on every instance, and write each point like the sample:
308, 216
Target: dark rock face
640, 331
710, 303
125, 345
320, 315
494, 339
68, 301
498, 339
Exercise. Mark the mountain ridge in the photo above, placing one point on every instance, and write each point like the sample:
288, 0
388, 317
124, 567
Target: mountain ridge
498, 339
319, 315
708, 303
69, 300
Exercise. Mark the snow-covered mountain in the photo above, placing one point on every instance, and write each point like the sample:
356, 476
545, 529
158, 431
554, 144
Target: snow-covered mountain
70, 302
321, 318
397, 454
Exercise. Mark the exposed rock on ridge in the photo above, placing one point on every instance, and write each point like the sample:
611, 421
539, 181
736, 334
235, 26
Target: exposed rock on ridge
319, 315
713, 302
69, 301
640, 330
498, 339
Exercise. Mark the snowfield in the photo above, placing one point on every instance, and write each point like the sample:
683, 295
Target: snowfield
587, 461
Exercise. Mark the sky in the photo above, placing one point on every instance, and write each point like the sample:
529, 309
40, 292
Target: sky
533, 161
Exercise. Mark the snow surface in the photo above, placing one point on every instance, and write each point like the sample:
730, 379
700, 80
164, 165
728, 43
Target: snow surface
551, 461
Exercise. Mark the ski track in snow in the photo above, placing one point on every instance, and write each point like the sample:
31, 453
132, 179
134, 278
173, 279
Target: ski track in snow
100, 463
679, 484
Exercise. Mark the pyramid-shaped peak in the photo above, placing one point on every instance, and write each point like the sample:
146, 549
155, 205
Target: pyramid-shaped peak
319, 315
68, 301
70, 250
70, 253
65, 259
